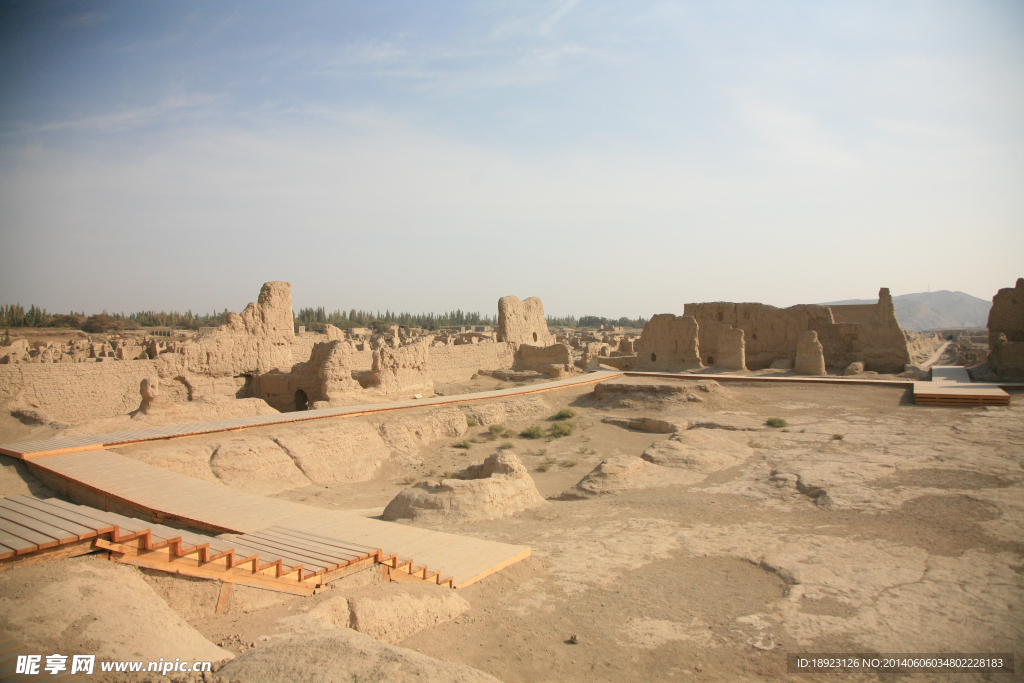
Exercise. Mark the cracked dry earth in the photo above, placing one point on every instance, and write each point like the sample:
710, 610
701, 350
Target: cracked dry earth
905, 535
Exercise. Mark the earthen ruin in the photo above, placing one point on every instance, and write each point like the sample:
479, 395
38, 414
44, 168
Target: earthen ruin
1006, 332
686, 522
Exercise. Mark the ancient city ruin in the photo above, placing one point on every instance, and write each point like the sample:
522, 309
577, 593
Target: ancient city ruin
405, 503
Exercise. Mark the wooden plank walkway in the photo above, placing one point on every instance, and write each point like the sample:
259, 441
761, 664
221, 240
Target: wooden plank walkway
951, 385
278, 558
166, 495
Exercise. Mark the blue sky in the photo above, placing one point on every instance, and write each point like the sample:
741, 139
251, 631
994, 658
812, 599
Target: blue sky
612, 158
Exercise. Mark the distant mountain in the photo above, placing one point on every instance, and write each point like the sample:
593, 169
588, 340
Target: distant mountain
934, 310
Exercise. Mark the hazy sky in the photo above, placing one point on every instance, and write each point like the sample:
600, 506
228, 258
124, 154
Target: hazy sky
612, 158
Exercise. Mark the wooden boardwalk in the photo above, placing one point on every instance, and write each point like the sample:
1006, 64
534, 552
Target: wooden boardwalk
287, 560
167, 496
951, 385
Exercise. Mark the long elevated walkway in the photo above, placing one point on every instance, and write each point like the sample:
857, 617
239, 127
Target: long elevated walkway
35, 449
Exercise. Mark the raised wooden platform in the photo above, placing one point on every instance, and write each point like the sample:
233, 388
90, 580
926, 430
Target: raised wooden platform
951, 385
952, 394
167, 496
34, 530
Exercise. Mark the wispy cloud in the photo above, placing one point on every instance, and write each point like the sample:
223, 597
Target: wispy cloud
548, 23
170, 110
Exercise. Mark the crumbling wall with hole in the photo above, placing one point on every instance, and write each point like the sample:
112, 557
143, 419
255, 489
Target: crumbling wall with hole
523, 322
668, 343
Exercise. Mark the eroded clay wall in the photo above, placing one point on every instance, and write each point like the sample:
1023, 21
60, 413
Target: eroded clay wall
541, 358
448, 364
1006, 332
76, 392
857, 313
523, 322
1007, 314
771, 333
669, 342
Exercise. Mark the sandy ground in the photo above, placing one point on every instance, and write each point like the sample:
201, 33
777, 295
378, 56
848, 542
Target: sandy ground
904, 535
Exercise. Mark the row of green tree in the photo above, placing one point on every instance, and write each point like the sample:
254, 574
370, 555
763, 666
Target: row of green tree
15, 315
595, 321
358, 318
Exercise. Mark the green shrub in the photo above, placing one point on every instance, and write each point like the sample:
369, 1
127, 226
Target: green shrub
495, 431
409, 481
776, 422
472, 423
507, 445
532, 433
543, 467
564, 414
462, 444
838, 437
569, 463
560, 429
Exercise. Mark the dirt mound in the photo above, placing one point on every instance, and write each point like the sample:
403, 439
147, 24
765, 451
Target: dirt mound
647, 424
657, 396
408, 434
89, 605
342, 655
498, 487
32, 415
321, 452
192, 460
202, 409
621, 473
732, 423
501, 412
700, 450
391, 614
336, 451
256, 464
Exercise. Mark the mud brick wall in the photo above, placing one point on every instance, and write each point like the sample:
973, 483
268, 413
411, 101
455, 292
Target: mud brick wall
459, 363
75, 392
